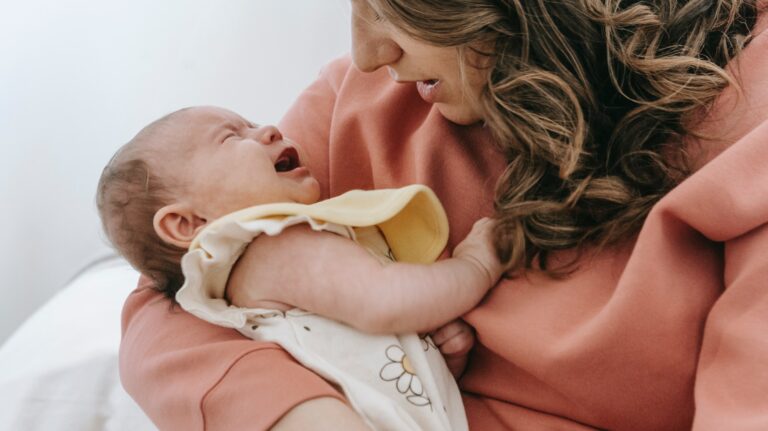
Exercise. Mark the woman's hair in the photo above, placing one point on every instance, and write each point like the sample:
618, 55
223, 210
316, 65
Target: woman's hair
588, 100
128, 195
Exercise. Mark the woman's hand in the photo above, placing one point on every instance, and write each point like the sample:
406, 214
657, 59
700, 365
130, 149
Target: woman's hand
455, 340
478, 248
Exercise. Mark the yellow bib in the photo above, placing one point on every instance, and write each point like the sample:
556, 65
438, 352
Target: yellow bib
411, 218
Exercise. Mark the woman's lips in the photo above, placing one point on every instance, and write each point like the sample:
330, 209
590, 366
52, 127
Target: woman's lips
428, 90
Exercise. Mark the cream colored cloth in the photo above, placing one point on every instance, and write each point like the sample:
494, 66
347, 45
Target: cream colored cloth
395, 382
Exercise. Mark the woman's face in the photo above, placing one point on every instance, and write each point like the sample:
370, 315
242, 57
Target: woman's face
435, 71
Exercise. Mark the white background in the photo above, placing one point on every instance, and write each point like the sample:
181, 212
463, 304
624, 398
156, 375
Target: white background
79, 78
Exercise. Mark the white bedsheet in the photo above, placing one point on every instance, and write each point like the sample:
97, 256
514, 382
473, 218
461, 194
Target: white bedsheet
58, 371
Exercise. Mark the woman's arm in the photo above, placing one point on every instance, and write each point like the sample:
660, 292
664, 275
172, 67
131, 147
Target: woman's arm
335, 277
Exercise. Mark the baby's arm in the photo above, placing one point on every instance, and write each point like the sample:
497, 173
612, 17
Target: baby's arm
337, 278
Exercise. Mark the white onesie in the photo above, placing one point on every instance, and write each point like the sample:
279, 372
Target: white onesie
395, 382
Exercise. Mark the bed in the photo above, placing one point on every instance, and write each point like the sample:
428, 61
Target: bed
46, 384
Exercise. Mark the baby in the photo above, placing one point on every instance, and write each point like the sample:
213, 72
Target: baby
213, 207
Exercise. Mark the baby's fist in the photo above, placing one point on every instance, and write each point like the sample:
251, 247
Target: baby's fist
455, 339
478, 248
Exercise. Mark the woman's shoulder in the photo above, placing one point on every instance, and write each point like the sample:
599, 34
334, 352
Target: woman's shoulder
335, 72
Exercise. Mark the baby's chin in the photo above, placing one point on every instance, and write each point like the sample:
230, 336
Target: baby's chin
312, 192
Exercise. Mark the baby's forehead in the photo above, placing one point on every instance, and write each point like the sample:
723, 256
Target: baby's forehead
187, 129
215, 114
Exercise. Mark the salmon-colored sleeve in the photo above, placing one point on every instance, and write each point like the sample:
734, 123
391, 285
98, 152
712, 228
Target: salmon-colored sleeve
732, 383
187, 374
731, 389
727, 202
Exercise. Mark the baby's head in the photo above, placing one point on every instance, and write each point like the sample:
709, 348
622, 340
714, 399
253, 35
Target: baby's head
185, 170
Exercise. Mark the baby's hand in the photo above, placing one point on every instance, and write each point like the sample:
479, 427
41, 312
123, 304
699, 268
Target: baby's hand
455, 340
478, 248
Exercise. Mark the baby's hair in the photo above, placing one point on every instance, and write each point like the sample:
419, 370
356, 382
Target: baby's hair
129, 194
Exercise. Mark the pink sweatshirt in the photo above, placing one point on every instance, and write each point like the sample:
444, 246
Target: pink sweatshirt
667, 331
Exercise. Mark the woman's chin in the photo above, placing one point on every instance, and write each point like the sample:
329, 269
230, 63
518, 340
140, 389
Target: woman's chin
460, 115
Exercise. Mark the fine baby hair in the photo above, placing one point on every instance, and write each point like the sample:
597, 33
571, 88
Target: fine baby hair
129, 193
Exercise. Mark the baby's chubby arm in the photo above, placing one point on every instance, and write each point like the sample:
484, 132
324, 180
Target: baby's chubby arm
334, 277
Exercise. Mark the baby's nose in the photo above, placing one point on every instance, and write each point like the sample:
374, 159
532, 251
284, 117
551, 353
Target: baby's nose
268, 135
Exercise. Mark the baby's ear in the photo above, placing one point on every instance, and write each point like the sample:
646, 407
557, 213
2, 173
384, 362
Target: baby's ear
177, 224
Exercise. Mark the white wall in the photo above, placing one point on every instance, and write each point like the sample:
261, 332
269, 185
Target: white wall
79, 78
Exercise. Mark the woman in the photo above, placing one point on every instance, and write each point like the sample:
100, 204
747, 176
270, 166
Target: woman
635, 300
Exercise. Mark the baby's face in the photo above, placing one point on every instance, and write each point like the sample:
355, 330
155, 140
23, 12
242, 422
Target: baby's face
225, 163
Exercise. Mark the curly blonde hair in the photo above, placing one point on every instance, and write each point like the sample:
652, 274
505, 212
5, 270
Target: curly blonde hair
588, 101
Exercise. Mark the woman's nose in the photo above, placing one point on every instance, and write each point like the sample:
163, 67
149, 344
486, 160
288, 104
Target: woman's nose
375, 54
372, 48
268, 135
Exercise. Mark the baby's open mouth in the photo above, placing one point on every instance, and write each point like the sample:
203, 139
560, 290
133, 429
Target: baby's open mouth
288, 160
